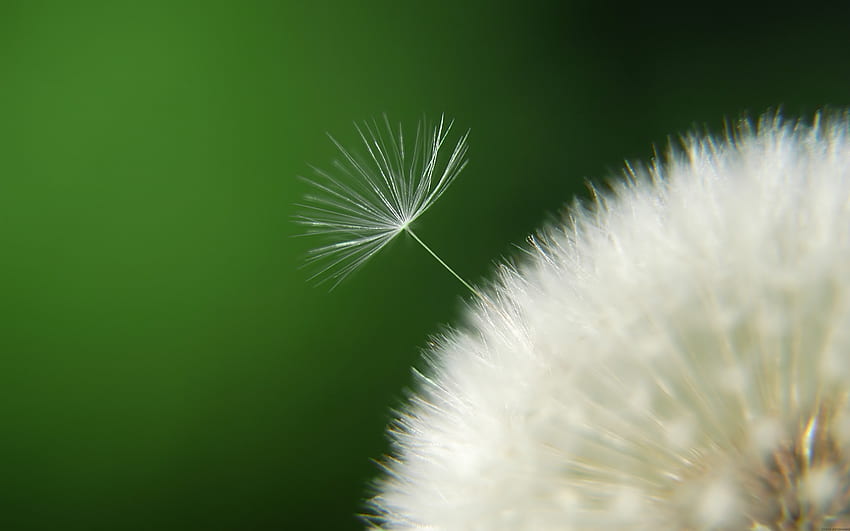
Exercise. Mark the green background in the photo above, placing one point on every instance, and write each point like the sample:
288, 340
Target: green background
165, 364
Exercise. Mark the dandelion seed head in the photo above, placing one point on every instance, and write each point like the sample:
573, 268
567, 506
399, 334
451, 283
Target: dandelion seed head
674, 356
374, 194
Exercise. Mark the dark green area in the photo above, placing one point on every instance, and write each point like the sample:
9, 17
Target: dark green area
165, 365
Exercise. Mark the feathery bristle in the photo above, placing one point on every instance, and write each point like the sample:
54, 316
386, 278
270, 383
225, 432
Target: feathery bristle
369, 199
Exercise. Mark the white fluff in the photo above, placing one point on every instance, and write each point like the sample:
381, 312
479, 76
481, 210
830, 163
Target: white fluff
369, 200
677, 356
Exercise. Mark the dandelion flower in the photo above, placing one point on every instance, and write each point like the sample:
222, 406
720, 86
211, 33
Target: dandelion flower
674, 356
370, 200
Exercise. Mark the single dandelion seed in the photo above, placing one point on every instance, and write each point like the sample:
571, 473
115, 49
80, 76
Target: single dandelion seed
370, 199
675, 356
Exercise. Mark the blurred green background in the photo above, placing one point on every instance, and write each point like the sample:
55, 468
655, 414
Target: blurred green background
165, 364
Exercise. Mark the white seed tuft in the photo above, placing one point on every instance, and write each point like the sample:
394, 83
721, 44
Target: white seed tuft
370, 199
